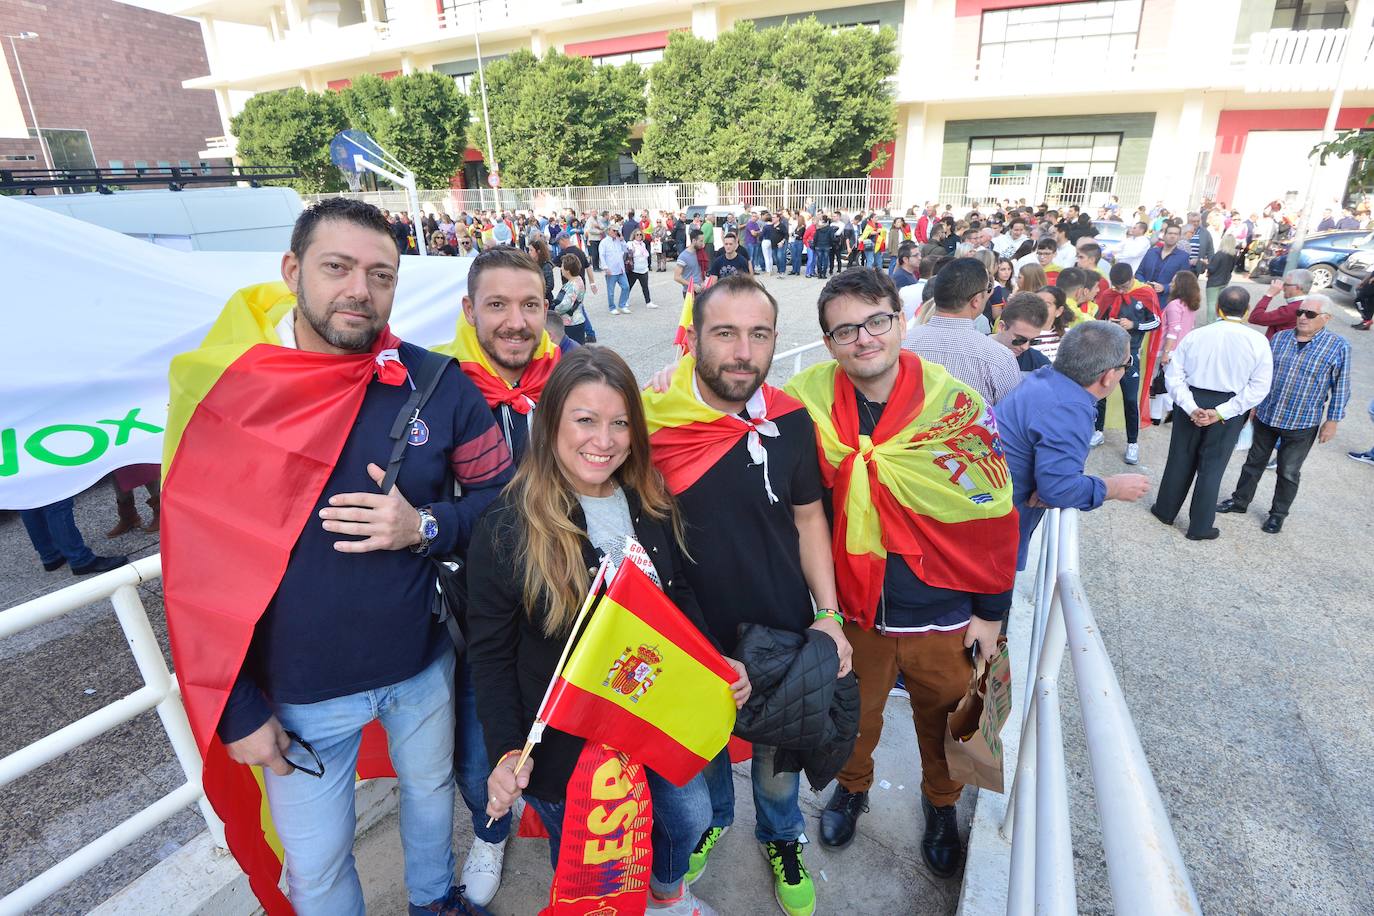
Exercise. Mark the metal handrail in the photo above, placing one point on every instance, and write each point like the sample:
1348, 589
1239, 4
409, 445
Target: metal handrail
1143, 860
796, 353
159, 691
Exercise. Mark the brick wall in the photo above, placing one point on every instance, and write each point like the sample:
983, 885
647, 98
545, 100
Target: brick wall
115, 71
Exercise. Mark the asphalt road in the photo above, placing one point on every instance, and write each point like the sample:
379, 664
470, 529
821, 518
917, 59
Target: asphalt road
1242, 660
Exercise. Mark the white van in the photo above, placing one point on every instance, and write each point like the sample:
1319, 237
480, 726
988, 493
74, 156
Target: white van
196, 219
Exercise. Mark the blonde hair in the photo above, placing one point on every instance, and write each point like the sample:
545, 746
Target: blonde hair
1031, 278
551, 548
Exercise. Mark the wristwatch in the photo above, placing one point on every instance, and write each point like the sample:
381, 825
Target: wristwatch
429, 530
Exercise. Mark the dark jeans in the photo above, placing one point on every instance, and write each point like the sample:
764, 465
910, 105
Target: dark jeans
471, 762
798, 251
1130, 401
643, 281
1199, 452
777, 815
577, 332
822, 262
1293, 445
594, 253
54, 534
681, 816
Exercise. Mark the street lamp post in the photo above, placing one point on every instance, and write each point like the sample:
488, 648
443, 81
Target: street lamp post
24, 84
482, 85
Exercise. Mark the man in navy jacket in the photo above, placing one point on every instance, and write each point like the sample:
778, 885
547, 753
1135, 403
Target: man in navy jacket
1159, 265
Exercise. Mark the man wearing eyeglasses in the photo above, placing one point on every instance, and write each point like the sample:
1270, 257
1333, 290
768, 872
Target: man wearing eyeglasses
1215, 377
1021, 321
923, 547
1047, 422
950, 339
1311, 378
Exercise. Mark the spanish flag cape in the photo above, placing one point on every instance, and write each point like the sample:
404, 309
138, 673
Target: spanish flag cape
688, 436
253, 432
1109, 306
930, 484
472, 359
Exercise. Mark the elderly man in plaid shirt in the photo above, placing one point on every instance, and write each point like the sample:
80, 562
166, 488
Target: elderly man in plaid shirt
1311, 377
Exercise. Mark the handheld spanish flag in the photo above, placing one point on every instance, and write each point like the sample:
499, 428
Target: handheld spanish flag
1109, 305
472, 359
254, 430
930, 484
684, 320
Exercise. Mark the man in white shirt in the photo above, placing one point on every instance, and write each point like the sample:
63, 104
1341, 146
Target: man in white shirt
1132, 250
1215, 377
1005, 245
1065, 254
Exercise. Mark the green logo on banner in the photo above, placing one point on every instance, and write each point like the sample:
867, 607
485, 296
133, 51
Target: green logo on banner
96, 442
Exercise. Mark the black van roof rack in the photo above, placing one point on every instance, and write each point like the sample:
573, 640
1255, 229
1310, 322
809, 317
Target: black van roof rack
107, 181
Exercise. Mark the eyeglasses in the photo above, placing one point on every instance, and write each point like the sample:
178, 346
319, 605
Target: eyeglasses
318, 772
1308, 313
1019, 341
876, 325
1126, 366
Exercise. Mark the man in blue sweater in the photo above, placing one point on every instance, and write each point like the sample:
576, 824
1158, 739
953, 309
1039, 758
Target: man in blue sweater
1046, 423
349, 635
1159, 265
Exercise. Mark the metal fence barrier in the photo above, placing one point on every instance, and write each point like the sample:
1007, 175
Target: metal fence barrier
159, 691
1144, 864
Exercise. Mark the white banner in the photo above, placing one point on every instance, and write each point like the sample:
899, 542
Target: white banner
94, 319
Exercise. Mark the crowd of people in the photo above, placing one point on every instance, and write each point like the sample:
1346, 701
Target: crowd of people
871, 515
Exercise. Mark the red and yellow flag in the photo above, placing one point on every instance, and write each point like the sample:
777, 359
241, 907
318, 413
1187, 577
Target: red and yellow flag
253, 432
1109, 304
688, 436
472, 359
930, 484
684, 320
644, 680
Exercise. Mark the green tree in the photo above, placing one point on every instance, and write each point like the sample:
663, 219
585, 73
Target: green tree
1358, 142
798, 100
420, 118
557, 120
292, 128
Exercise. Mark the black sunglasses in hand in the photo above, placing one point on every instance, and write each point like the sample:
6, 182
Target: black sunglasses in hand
318, 772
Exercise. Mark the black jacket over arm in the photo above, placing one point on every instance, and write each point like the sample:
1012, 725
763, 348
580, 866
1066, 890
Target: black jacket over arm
512, 660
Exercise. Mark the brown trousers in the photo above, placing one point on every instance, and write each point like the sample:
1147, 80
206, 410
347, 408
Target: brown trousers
935, 667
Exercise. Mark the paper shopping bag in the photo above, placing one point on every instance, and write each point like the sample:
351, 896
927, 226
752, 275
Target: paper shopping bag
973, 742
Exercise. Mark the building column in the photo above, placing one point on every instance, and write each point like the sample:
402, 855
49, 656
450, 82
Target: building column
1180, 150
211, 40
407, 65
706, 21
225, 112
920, 145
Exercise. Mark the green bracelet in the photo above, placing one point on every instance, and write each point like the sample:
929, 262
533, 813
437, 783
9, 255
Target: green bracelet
831, 613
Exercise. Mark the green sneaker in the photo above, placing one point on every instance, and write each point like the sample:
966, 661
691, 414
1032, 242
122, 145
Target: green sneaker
791, 882
696, 865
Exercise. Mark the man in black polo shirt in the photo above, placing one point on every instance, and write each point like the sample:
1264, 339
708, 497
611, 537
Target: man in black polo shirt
730, 260
756, 530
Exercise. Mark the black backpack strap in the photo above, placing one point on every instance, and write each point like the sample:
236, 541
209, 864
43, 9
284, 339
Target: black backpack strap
426, 379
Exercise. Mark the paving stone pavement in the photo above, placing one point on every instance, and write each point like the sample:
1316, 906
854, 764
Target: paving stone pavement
1241, 660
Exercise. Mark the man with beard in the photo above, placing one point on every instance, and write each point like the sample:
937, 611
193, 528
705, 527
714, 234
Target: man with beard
300, 597
501, 344
925, 537
503, 347
740, 456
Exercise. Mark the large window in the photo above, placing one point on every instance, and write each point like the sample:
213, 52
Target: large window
1310, 14
643, 58
1055, 166
1028, 38
70, 149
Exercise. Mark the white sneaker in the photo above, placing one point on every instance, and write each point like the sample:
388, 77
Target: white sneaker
482, 871
650, 305
1096, 440
615, 311
625, 310
1132, 453
686, 905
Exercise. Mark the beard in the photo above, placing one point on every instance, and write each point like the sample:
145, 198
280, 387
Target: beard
712, 376
354, 340
487, 340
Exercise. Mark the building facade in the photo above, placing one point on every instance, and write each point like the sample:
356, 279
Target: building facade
104, 85
1147, 100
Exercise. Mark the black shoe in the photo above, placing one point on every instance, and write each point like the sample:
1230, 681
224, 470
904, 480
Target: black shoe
100, 565
940, 846
1230, 505
841, 816
1272, 525
1361, 325
1166, 521
55, 564
1211, 534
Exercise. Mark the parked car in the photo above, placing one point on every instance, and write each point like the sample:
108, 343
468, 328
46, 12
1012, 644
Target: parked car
1110, 235
1354, 271
1322, 253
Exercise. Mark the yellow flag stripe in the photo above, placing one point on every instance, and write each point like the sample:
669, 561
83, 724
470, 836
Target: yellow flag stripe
686, 700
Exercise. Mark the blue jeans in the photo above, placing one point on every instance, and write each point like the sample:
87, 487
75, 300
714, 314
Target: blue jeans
756, 258
315, 818
797, 248
612, 281
870, 257
681, 816
473, 764
780, 257
777, 815
810, 261
54, 534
